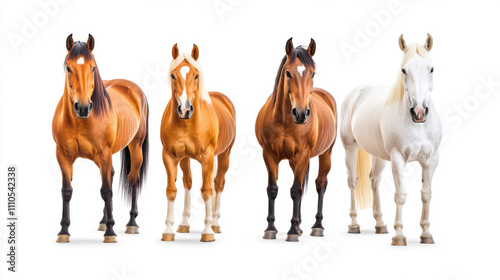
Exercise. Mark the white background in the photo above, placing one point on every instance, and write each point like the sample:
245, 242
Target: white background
240, 51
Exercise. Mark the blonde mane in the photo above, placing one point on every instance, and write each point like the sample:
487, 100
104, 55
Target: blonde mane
397, 91
201, 84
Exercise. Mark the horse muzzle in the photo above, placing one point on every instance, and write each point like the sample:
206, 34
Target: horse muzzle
83, 111
185, 111
419, 113
301, 116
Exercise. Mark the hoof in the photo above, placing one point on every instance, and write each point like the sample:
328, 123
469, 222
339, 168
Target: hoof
183, 229
270, 234
109, 239
292, 238
354, 229
399, 241
216, 229
167, 237
300, 232
102, 227
62, 239
381, 230
426, 239
207, 237
132, 230
317, 232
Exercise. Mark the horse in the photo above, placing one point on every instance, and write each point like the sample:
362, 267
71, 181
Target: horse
399, 125
198, 125
297, 122
95, 119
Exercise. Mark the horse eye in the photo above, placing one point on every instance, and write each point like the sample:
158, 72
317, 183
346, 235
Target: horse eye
288, 74
432, 69
196, 77
93, 69
173, 77
313, 74
68, 69
404, 71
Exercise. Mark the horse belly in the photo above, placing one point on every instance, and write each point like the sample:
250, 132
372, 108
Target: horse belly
127, 125
226, 124
365, 123
327, 129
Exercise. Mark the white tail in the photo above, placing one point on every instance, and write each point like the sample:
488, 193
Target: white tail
364, 195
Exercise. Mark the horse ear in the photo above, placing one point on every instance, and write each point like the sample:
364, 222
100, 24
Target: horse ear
312, 47
289, 46
175, 51
428, 42
195, 52
402, 43
90, 42
69, 42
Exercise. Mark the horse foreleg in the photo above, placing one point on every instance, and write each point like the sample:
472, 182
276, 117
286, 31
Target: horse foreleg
325, 164
66, 165
272, 192
378, 166
219, 182
428, 169
207, 167
187, 179
105, 166
102, 223
300, 163
398, 164
171, 168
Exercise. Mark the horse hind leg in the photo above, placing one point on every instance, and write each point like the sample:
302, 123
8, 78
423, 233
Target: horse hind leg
325, 164
219, 182
378, 166
131, 187
351, 152
187, 179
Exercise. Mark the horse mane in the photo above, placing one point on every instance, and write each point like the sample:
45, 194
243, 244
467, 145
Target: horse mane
100, 94
201, 79
397, 91
304, 57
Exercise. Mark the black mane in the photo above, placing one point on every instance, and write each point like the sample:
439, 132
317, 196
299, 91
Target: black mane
100, 95
304, 57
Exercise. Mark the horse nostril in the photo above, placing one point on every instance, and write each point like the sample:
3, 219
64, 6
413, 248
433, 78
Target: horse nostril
294, 112
426, 111
412, 112
179, 110
191, 108
308, 113
90, 106
76, 106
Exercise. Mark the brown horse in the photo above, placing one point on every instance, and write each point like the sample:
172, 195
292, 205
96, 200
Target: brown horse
200, 125
297, 122
95, 119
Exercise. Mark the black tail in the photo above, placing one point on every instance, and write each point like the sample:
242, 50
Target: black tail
127, 188
306, 177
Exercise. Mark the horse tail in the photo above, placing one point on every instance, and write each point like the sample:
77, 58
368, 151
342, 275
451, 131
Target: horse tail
306, 177
127, 188
364, 197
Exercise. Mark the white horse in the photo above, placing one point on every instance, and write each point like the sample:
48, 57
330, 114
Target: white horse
401, 126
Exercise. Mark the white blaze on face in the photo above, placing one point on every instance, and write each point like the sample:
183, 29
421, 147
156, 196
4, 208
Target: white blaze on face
301, 69
184, 72
81, 60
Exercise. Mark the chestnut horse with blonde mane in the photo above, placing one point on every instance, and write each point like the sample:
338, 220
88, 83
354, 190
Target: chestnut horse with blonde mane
197, 125
297, 122
95, 119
